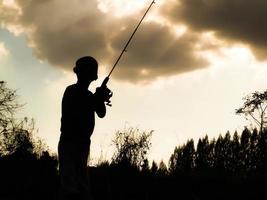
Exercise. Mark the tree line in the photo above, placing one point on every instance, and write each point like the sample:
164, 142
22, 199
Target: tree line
244, 154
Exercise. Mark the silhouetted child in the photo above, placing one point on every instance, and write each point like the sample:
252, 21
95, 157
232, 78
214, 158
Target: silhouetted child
77, 124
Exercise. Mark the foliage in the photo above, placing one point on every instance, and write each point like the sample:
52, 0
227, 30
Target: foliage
204, 154
255, 105
15, 134
240, 154
8, 102
132, 146
183, 158
26, 168
226, 167
162, 170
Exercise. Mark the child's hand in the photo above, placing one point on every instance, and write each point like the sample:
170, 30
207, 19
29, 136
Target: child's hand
104, 94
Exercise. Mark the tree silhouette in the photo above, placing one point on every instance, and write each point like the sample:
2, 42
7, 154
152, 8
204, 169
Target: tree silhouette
26, 169
255, 106
189, 155
15, 134
8, 124
175, 161
183, 158
227, 151
162, 169
204, 154
145, 166
254, 158
235, 160
245, 149
8, 102
219, 153
154, 168
262, 150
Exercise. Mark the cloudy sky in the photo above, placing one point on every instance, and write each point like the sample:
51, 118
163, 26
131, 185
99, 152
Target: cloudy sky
184, 74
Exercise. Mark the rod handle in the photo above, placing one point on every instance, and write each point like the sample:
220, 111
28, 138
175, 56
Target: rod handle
105, 81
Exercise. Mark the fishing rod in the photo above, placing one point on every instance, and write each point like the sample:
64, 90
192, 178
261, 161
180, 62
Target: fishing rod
105, 81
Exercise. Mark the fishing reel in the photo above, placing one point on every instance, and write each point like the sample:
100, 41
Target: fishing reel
104, 94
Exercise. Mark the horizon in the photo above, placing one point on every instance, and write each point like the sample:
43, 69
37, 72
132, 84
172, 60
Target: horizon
181, 78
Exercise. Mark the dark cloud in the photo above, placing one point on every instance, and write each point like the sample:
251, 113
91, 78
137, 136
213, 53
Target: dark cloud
61, 31
8, 14
156, 52
241, 21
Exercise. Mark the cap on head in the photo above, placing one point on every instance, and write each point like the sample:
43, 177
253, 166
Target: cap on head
85, 64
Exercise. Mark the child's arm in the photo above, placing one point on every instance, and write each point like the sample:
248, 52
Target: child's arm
102, 95
100, 108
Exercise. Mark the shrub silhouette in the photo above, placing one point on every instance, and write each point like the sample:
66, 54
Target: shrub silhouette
132, 146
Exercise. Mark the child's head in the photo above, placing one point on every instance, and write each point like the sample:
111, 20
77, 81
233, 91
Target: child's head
86, 69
